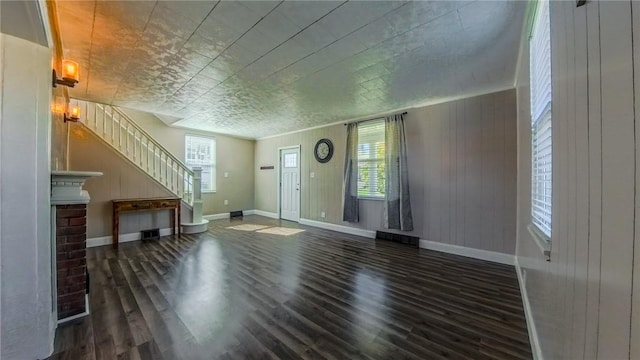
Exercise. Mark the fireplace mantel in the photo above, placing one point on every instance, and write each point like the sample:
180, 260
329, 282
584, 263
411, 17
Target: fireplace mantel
66, 187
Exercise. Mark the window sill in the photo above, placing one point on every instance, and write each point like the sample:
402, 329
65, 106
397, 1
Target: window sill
375, 198
208, 191
542, 240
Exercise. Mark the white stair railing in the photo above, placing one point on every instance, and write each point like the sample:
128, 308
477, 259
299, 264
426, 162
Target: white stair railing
119, 131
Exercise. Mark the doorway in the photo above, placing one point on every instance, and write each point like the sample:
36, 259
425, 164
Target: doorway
289, 187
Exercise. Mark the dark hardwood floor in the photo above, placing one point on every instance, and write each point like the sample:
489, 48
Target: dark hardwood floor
231, 294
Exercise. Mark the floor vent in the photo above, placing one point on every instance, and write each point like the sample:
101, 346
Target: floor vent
399, 238
235, 214
151, 234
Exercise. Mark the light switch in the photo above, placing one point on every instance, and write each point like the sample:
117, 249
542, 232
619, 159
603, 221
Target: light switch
226, 174
226, 202
313, 174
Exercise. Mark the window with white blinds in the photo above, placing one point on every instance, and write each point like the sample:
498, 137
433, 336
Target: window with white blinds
541, 155
201, 152
371, 152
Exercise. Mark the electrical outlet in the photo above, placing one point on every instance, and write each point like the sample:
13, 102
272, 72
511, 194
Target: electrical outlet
226, 174
226, 202
322, 214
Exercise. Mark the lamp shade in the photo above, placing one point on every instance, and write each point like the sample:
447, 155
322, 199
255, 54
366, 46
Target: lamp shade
74, 112
70, 70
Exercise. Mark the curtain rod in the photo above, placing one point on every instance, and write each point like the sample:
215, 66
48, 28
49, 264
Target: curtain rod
375, 118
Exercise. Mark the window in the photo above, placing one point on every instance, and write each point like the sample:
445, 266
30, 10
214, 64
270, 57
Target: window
201, 152
371, 174
541, 156
290, 160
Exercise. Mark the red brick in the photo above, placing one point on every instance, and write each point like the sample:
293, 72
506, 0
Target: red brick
77, 271
71, 280
71, 297
60, 273
77, 221
77, 287
71, 230
78, 254
70, 213
70, 264
71, 247
62, 222
76, 238
77, 206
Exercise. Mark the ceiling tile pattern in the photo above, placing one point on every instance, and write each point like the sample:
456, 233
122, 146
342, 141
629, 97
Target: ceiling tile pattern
257, 68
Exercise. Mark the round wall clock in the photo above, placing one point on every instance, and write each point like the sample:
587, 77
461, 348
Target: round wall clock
323, 151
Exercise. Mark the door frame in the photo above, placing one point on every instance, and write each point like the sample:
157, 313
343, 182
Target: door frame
279, 179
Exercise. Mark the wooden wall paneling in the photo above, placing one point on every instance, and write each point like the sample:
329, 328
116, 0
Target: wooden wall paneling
460, 181
595, 180
557, 325
432, 176
618, 179
474, 166
437, 187
446, 184
582, 183
488, 183
509, 173
499, 198
570, 168
634, 351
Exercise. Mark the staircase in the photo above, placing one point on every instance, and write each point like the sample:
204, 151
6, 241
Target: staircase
125, 136
122, 134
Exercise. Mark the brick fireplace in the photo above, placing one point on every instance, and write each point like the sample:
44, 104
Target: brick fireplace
69, 215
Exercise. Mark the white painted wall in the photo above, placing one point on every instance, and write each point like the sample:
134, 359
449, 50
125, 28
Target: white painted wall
581, 301
26, 316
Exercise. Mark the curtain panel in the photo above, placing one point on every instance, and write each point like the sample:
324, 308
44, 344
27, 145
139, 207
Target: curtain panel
350, 183
397, 204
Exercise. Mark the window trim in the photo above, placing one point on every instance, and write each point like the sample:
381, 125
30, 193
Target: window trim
215, 159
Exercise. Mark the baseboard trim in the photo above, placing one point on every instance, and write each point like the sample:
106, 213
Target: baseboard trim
468, 252
122, 238
216, 216
265, 213
339, 228
534, 340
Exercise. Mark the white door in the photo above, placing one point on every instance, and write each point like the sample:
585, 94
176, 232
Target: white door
290, 184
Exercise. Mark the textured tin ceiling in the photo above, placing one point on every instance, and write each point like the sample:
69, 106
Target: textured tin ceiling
257, 68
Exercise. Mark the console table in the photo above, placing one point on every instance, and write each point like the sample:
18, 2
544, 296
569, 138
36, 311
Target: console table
148, 204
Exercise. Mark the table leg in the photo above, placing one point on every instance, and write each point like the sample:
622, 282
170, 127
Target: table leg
116, 228
173, 222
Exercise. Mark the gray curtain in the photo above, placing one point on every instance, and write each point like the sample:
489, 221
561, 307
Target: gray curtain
350, 205
397, 205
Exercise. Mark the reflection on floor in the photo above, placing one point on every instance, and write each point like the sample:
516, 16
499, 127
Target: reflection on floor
247, 227
280, 231
229, 294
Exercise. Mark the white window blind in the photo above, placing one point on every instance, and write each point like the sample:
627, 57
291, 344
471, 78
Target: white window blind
541, 154
201, 152
371, 152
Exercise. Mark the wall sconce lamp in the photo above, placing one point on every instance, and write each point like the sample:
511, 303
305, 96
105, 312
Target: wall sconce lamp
74, 114
69, 74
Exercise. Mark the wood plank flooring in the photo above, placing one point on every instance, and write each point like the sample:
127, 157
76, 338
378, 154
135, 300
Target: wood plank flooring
318, 294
